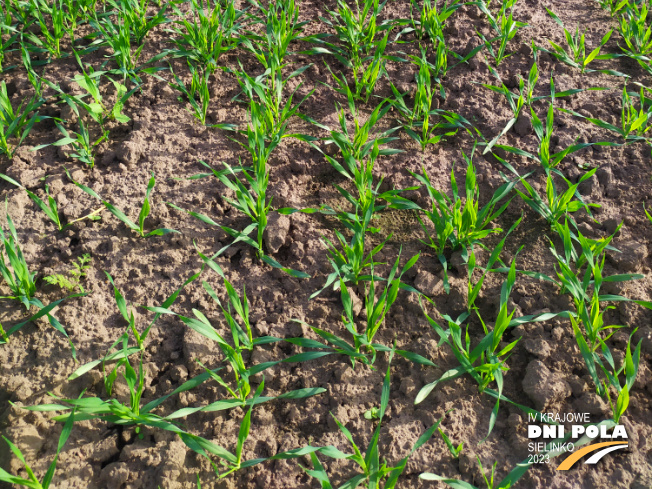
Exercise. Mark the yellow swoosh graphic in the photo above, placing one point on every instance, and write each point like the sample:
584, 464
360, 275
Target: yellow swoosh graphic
575, 456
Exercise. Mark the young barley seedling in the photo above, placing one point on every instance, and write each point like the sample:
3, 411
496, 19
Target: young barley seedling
76, 12
366, 72
432, 20
144, 211
503, 25
50, 42
525, 96
33, 482
635, 30
374, 474
196, 92
613, 6
20, 280
118, 351
134, 13
543, 132
580, 274
22, 284
549, 161
236, 315
378, 301
50, 208
250, 195
454, 450
576, 55
635, 119
485, 362
357, 47
473, 288
418, 121
118, 36
275, 111
210, 31
89, 80
19, 11
281, 28
553, 205
459, 221
133, 413
359, 151
9, 34
16, 123
356, 30
80, 142
253, 201
34, 78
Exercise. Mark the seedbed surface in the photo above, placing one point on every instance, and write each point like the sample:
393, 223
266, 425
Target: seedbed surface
547, 371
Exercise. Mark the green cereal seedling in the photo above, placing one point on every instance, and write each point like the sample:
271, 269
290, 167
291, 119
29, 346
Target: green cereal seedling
487, 360
132, 413
134, 13
33, 482
544, 132
359, 151
50, 208
579, 273
83, 149
22, 284
357, 47
553, 205
516, 103
432, 19
144, 211
116, 353
454, 450
196, 92
635, 121
613, 6
34, 78
50, 40
373, 473
635, 30
16, 123
8, 35
469, 257
281, 27
576, 55
503, 25
460, 221
209, 31
418, 123
20, 280
378, 301
118, 36
275, 109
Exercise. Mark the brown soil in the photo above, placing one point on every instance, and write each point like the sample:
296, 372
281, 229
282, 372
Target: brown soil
165, 139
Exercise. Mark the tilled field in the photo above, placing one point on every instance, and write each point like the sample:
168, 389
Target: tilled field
544, 338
